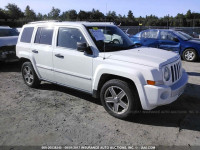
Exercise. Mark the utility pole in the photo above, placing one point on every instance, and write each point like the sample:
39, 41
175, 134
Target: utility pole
193, 22
168, 22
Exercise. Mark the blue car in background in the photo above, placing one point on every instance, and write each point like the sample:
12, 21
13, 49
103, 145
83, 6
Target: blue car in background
177, 41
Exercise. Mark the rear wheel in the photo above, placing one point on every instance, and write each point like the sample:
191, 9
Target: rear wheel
29, 75
119, 99
190, 55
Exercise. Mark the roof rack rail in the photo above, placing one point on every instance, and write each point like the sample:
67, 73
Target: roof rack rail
103, 22
75, 21
44, 21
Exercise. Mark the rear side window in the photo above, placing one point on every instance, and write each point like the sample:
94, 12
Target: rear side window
150, 34
27, 34
44, 35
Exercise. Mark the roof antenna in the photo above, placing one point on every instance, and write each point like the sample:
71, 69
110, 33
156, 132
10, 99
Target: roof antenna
105, 30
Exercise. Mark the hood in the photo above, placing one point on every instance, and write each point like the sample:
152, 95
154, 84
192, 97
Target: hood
8, 41
152, 57
196, 41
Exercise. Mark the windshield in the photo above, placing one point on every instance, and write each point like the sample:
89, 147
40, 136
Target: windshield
8, 32
183, 35
137, 35
109, 38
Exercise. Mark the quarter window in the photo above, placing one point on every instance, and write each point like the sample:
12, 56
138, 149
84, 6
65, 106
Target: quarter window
26, 35
68, 37
151, 34
44, 35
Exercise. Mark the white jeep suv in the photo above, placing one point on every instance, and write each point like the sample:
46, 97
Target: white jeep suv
78, 55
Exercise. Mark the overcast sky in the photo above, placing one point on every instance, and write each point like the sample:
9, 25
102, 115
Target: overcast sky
159, 8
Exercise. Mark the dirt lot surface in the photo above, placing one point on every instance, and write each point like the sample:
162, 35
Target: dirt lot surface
55, 115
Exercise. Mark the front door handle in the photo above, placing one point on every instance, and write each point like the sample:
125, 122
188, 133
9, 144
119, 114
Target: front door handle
59, 55
35, 51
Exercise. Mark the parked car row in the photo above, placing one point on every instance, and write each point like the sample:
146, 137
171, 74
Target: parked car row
176, 41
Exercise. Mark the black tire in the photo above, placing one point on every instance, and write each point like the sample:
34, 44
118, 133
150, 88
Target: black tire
189, 55
131, 99
138, 45
31, 79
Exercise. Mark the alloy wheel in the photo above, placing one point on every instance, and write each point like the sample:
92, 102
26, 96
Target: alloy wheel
189, 55
116, 99
28, 75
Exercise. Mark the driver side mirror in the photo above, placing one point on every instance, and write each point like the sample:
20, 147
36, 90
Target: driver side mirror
83, 47
175, 39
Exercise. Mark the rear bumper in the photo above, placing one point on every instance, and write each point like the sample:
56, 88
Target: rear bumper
162, 95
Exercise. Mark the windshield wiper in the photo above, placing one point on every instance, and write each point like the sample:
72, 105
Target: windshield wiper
188, 39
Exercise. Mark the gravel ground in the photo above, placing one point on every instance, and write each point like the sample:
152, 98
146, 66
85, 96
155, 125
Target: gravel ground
55, 115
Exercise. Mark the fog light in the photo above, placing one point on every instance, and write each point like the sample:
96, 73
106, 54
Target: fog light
164, 95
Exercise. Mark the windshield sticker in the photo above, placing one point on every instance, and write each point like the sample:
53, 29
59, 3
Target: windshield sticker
97, 34
94, 28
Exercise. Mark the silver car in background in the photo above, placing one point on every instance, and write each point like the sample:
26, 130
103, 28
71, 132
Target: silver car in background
8, 41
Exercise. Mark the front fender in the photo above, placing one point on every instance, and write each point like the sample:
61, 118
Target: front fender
129, 73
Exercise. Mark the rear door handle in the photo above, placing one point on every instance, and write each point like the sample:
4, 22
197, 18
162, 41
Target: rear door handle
59, 55
35, 51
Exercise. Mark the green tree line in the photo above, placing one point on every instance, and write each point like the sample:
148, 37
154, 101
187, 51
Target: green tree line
12, 15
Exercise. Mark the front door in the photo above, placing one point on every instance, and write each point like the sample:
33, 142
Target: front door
169, 41
71, 67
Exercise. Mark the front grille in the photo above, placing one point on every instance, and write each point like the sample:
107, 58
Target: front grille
7, 48
176, 71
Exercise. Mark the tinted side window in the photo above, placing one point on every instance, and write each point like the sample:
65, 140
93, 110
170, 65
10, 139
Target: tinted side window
27, 34
164, 35
68, 37
44, 36
152, 34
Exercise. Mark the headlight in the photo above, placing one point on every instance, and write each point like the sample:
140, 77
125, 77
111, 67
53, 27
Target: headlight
166, 74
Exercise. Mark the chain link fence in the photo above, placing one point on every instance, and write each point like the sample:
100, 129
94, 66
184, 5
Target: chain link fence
132, 30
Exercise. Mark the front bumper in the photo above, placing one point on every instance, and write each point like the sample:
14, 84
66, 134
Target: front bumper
162, 95
8, 54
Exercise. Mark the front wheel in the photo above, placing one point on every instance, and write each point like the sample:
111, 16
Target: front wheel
29, 75
119, 99
138, 45
190, 55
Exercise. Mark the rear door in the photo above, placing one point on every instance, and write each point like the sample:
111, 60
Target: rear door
169, 41
42, 52
149, 38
